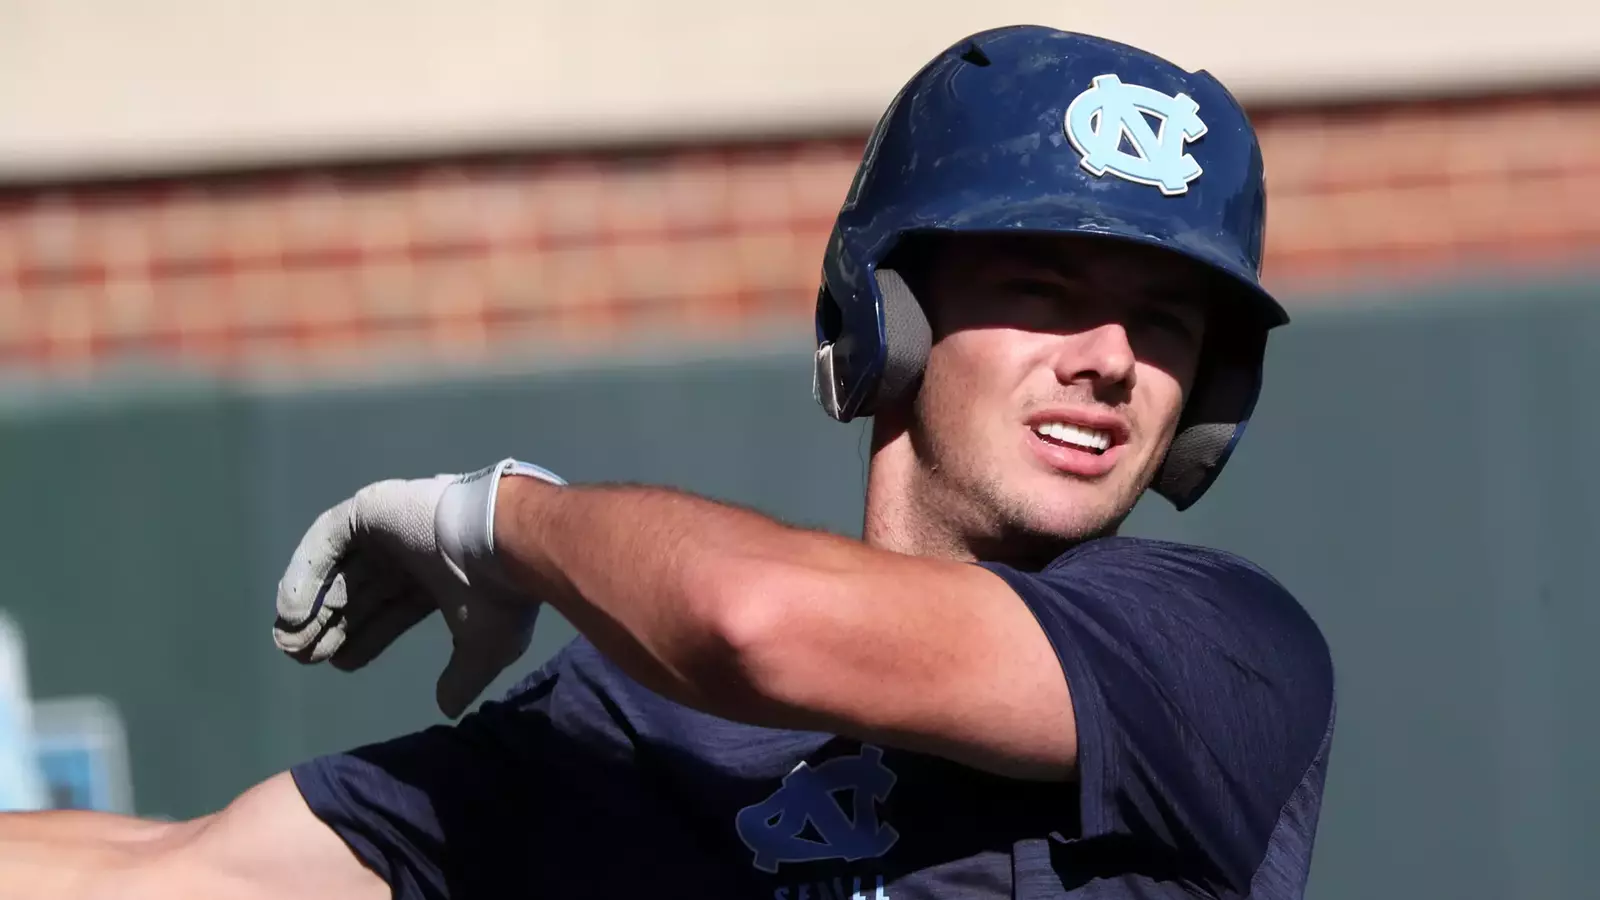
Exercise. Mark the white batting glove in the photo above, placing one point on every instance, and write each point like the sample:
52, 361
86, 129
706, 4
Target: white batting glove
380, 562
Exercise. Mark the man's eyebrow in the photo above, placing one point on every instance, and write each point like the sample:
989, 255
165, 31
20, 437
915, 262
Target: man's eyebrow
1060, 264
1178, 286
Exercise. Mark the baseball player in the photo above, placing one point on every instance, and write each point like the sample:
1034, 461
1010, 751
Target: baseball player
1043, 288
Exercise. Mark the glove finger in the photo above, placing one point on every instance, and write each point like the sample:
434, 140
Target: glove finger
351, 594
372, 583
357, 590
328, 641
305, 635
374, 636
303, 590
463, 679
473, 666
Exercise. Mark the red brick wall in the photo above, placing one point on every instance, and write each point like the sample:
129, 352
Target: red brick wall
463, 259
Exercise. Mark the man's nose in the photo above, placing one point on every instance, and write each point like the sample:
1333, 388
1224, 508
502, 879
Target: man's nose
1101, 356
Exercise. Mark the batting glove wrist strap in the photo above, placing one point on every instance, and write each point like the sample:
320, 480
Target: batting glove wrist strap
464, 521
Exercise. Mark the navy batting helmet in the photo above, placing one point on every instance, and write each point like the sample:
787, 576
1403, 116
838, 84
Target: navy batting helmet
1028, 129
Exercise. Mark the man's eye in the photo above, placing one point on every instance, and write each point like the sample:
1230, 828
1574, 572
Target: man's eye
1170, 322
1030, 301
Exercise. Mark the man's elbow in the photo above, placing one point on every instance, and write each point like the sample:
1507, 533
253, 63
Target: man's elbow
240, 852
90, 855
757, 653
157, 862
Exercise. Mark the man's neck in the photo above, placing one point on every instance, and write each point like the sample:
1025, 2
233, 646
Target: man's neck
897, 516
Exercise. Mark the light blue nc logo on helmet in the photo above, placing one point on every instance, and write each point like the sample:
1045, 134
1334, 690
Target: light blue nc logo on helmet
1102, 117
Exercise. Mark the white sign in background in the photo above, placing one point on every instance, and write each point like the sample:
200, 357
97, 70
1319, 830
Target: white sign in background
21, 784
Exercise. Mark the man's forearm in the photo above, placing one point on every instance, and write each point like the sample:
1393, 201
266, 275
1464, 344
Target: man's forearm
77, 855
81, 824
648, 575
266, 844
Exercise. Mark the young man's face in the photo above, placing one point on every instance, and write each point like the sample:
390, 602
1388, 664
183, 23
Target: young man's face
1058, 372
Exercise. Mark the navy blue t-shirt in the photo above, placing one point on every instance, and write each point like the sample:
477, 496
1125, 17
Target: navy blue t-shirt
1204, 702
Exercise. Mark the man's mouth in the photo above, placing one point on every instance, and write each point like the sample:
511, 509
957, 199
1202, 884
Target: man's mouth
1075, 436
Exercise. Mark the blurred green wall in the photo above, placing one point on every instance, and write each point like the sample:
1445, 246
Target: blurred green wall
1423, 475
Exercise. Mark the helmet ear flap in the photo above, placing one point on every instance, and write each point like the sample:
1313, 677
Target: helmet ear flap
1224, 395
907, 338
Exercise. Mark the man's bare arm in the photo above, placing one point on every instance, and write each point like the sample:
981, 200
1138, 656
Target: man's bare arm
75, 854
266, 844
736, 614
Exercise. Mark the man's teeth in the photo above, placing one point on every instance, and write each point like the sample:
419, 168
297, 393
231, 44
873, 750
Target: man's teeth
1087, 438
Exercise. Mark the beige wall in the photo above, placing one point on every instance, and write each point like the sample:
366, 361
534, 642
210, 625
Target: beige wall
116, 86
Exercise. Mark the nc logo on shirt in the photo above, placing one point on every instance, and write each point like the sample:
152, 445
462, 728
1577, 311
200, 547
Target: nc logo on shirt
1100, 118
774, 829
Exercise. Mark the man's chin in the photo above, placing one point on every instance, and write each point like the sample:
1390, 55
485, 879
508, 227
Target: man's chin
1034, 539
1090, 514
1076, 507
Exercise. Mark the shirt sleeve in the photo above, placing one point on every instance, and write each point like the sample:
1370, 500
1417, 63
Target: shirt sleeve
1204, 701
419, 809
488, 806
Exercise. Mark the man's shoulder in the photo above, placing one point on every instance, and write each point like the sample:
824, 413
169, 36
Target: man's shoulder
1224, 574
1208, 589
1126, 550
